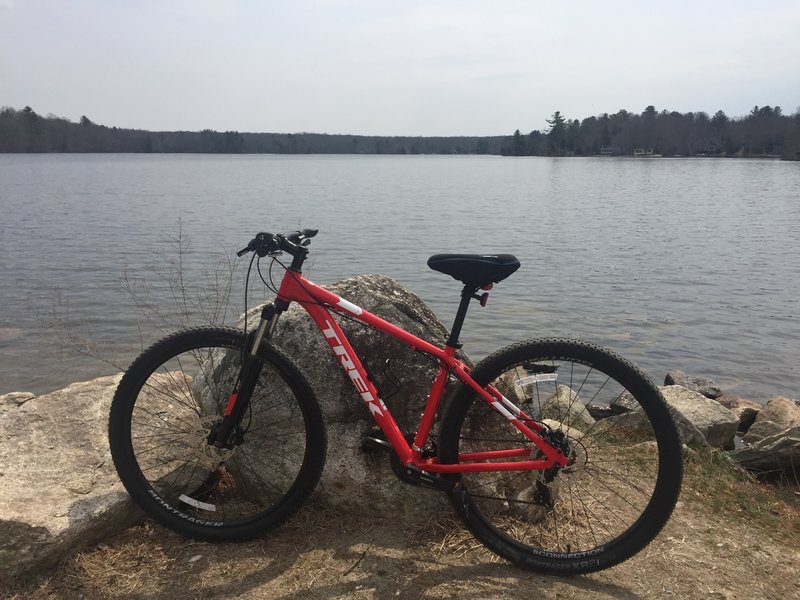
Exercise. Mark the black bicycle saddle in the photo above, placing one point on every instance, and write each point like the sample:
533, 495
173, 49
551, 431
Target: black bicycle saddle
475, 270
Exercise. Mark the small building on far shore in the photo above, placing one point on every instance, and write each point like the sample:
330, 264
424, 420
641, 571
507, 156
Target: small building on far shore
644, 153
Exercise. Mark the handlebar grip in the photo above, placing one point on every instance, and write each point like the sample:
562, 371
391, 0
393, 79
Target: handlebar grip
298, 236
264, 242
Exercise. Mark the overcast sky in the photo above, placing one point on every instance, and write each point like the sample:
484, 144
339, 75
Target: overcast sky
392, 68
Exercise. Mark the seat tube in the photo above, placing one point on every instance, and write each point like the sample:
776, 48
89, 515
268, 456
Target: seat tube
455, 332
431, 409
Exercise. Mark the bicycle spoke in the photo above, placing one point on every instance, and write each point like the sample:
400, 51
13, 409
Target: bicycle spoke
188, 396
171, 441
158, 417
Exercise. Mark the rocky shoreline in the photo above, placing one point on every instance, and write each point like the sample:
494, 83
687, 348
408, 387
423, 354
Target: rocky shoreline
59, 491
766, 437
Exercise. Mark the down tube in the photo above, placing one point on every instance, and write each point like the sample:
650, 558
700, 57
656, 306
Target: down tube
349, 361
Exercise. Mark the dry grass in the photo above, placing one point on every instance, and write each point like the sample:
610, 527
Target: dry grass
730, 537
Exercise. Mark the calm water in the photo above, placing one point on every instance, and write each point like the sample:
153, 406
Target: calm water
688, 264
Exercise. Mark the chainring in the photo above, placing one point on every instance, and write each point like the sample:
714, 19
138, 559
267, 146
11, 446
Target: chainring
399, 468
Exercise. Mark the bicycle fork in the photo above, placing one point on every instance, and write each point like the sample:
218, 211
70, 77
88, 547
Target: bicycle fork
227, 432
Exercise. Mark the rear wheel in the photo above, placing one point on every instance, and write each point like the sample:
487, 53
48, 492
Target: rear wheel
170, 400
625, 471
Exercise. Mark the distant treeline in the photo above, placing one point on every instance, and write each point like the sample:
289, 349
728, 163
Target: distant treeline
26, 131
766, 131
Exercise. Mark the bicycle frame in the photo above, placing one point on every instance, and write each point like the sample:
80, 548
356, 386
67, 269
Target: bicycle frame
316, 301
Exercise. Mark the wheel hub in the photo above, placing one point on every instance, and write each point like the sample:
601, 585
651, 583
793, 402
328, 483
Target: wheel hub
236, 438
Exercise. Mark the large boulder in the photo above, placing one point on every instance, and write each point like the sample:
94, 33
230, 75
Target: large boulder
635, 419
629, 414
355, 477
778, 415
58, 487
717, 424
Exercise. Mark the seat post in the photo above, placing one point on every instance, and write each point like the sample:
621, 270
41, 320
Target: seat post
466, 295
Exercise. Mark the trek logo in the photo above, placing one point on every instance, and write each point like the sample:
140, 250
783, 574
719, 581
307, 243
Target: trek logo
350, 368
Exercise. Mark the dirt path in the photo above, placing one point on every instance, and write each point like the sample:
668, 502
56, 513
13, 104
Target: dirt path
702, 553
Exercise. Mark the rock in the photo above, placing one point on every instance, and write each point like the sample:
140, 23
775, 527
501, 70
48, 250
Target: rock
746, 416
570, 432
637, 420
778, 414
730, 402
16, 398
626, 406
353, 477
623, 403
58, 490
780, 450
10, 334
600, 412
58, 486
717, 424
705, 386
745, 409
566, 407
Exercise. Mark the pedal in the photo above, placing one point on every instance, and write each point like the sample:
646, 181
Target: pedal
374, 439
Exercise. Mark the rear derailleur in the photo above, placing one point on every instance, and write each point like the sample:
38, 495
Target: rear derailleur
543, 496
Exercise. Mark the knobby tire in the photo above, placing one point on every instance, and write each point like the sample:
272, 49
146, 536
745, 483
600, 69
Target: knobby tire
162, 413
624, 481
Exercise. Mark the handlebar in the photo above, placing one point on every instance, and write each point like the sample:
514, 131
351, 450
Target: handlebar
292, 242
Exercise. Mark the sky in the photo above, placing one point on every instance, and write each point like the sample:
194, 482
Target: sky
386, 67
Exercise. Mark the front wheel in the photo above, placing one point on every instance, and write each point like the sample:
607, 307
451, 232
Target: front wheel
170, 401
625, 472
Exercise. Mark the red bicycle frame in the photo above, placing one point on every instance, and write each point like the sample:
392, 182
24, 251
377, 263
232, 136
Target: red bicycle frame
316, 301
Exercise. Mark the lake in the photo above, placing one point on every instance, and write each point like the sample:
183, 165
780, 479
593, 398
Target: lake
688, 264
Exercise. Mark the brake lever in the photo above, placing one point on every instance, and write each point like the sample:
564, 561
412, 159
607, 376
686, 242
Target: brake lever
259, 244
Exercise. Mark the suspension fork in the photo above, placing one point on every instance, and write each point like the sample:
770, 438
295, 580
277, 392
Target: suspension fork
224, 435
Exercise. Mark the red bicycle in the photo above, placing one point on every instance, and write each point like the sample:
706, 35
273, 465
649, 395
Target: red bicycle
218, 435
